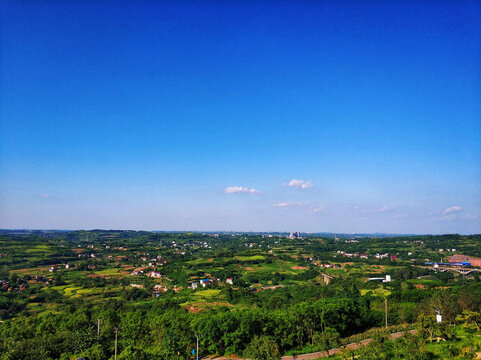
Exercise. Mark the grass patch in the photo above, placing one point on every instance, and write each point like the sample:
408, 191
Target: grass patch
250, 258
377, 292
207, 294
109, 272
70, 291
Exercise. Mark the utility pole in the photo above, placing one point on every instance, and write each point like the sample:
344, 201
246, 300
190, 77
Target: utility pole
116, 332
197, 351
385, 310
98, 327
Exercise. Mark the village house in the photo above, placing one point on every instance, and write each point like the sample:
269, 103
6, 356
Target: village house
154, 274
138, 271
160, 288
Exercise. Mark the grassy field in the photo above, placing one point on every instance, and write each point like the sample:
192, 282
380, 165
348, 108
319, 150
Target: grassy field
377, 292
250, 258
207, 294
110, 272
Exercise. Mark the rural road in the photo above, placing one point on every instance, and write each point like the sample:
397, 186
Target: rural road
319, 354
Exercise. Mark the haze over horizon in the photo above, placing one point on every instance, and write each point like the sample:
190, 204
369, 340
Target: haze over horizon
348, 117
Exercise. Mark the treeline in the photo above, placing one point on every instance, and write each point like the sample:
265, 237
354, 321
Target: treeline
304, 318
161, 329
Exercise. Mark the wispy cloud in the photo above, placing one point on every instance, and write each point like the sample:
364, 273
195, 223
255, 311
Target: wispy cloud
306, 206
470, 217
46, 196
300, 184
319, 209
290, 204
240, 189
382, 209
451, 213
452, 210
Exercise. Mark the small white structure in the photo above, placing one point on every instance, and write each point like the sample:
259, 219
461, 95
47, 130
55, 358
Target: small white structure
229, 281
439, 317
67, 266
388, 278
194, 285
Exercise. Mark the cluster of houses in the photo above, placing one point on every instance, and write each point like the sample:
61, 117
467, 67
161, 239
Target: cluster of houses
88, 255
143, 270
203, 244
206, 282
352, 255
365, 256
326, 265
5, 286
385, 256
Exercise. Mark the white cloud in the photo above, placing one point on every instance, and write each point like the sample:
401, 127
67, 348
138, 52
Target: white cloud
304, 206
319, 209
451, 210
240, 189
48, 196
452, 213
470, 217
300, 184
382, 209
289, 204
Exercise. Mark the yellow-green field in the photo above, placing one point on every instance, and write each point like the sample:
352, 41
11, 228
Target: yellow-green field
377, 292
110, 272
207, 294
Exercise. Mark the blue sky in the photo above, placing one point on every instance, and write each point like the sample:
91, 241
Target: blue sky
340, 116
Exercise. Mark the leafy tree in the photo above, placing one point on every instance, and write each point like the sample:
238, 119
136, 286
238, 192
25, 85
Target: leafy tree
471, 320
327, 339
262, 348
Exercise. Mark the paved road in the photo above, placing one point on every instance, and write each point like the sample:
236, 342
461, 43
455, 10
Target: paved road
317, 355
353, 346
